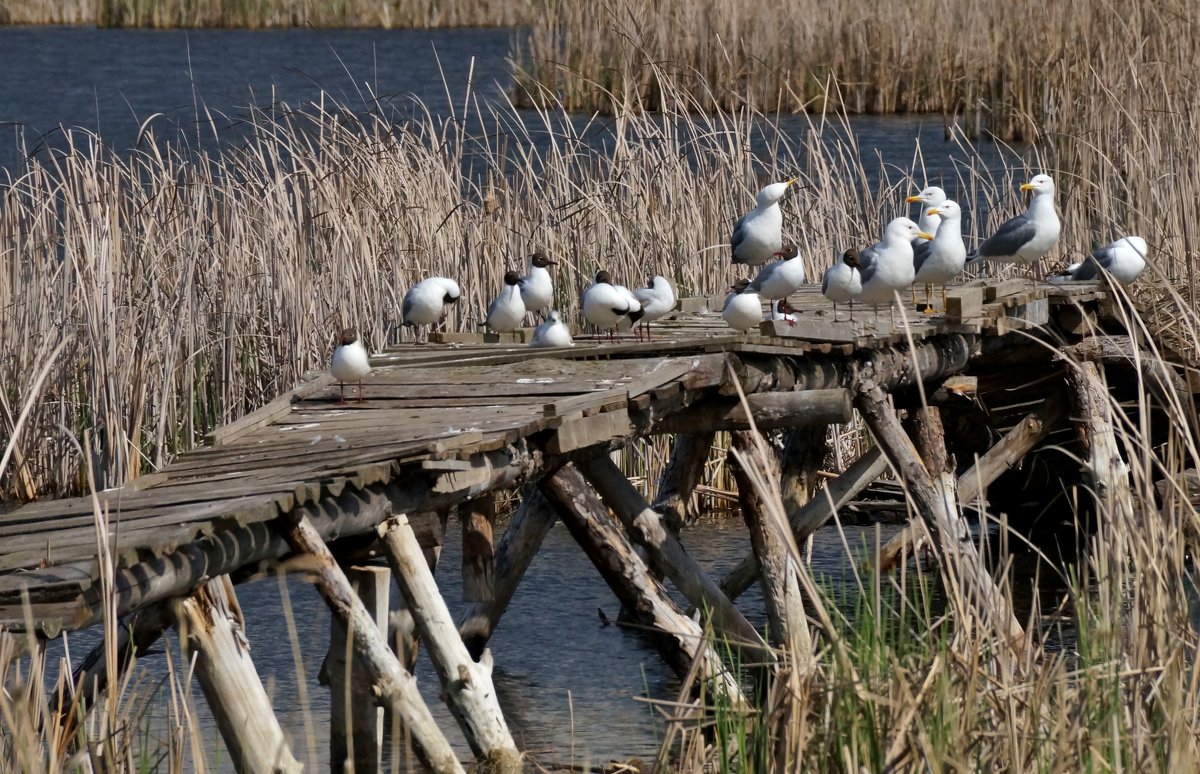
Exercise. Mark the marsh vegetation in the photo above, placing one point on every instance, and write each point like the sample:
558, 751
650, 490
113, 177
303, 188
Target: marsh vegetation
148, 297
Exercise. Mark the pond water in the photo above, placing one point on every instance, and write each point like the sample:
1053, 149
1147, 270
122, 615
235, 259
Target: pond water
567, 683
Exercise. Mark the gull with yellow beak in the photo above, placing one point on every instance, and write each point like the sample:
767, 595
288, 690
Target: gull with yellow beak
930, 198
758, 235
887, 266
940, 261
1027, 238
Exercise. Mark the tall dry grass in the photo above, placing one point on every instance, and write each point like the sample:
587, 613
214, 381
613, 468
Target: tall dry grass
1006, 67
178, 289
388, 14
145, 298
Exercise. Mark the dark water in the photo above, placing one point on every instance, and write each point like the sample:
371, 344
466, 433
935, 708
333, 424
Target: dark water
566, 683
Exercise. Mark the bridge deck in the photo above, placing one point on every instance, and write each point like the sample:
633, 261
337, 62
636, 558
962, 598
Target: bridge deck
440, 423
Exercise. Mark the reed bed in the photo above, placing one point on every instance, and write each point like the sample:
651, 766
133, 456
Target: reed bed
1000, 67
149, 297
243, 14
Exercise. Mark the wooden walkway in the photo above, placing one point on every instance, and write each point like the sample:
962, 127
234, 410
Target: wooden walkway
440, 423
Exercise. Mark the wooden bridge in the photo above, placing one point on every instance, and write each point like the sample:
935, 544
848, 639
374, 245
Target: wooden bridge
324, 487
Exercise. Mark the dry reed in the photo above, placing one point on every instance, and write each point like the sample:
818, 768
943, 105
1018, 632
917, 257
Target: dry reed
389, 14
1003, 67
185, 289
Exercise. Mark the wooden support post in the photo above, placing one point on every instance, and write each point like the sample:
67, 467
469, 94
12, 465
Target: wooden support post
1106, 473
210, 623
666, 555
803, 452
813, 514
770, 411
355, 720
466, 684
757, 474
478, 517
680, 478
396, 688
973, 483
929, 480
518, 546
402, 630
679, 639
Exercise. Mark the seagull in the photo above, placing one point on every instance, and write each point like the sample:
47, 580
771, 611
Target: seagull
657, 300
940, 261
537, 287
887, 266
606, 305
743, 309
507, 311
842, 282
1026, 238
1124, 259
552, 333
758, 234
930, 197
424, 303
734, 289
350, 362
780, 279
785, 312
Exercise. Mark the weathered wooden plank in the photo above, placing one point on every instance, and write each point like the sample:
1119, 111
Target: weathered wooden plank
268, 413
588, 431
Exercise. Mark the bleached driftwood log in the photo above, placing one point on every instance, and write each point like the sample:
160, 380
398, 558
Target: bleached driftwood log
809, 518
679, 639
973, 483
210, 622
466, 684
355, 720
929, 480
667, 556
394, 687
528, 528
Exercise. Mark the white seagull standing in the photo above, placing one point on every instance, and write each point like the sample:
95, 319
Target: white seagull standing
743, 310
930, 196
842, 282
507, 311
1124, 259
887, 266
537, 287
1026, 238
940, 261
758, 234
552, 333
776, 281
350, 362
657, 300
606, 305
425, 302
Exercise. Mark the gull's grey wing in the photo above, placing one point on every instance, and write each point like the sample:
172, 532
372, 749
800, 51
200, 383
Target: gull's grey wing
866, 262
406, 307
739, 235
1008, 239
763, 275
1089, 268
921, 253
825, 280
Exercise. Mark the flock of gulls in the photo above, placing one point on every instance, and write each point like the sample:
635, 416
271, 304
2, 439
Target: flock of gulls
927, 252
